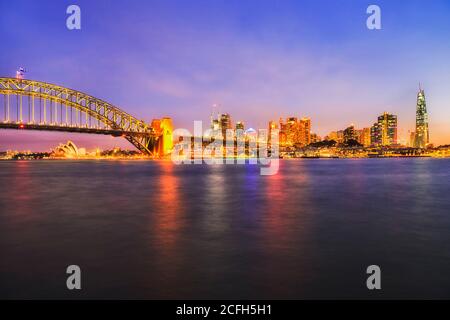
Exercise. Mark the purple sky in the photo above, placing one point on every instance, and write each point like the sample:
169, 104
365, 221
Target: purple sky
258, 59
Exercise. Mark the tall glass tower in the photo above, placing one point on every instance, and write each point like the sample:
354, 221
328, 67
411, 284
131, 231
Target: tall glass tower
422, 133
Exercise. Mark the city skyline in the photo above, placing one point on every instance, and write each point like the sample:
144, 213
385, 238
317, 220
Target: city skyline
293, 131
259, 62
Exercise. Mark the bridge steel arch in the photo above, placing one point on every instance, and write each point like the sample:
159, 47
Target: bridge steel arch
69, 111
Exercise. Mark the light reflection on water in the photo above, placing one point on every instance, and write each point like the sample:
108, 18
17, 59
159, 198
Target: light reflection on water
157, 230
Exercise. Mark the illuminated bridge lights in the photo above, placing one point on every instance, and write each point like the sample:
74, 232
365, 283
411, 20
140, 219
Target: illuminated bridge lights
36, 105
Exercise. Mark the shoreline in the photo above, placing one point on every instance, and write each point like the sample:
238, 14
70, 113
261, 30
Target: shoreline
170, 160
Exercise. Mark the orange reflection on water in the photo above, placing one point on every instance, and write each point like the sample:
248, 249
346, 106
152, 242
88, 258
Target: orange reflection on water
287, 224
167, 206
276, 198
286, 190
166, 231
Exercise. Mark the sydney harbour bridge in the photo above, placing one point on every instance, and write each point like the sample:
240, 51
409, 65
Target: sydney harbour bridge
36, 105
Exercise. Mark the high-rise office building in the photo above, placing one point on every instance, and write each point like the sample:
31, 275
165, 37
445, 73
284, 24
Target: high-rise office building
283, 134
225, 121
297, 131
288, 131
363, 136
365, 139
349, 133
273, 125
214, 122
412, 139
304, 131
291, 129
422, 135
376, 134
388, 124
222, 123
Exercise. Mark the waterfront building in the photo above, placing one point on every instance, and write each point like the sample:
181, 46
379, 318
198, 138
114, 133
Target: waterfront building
68, 150
349, 133
273, 125
305, 131
412, 139
295, 131
282, 133
215, 124
358, 135
291, 129
388, 124
376, 134
222, 123
422, 135
363, 136
225, 123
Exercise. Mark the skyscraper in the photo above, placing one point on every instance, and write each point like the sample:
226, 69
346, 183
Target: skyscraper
422, 137
376, 134
388, 124
273, 125
412, 139
384, 131
225, 121
297, 131
305, 131
214, 122
283, 132
291, 130
363, 136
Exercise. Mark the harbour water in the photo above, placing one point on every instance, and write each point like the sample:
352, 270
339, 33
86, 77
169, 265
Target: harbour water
155, 230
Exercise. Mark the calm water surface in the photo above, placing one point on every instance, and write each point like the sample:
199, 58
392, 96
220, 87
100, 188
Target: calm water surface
157, 230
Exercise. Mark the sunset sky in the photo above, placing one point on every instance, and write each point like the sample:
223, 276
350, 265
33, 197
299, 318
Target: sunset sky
258, 59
